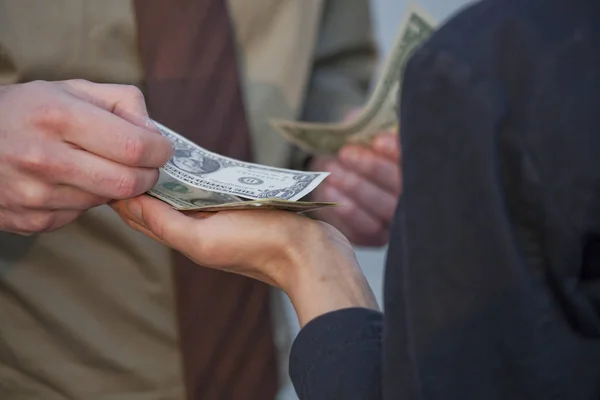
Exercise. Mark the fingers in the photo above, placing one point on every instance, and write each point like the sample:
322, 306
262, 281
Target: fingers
105, 178
368, 184
71, 146
381, 171
367, 181
351, 212
388, 144
374, 200
124, 101
58, 164
352, 220
100, 131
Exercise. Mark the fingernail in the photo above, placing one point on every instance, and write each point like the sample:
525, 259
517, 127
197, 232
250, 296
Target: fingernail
135, 209
151, 125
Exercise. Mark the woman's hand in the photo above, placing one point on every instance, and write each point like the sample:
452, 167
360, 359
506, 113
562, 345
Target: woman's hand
310, 260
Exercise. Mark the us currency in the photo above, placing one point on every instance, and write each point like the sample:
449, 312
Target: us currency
197, 179
269, 204
379, 114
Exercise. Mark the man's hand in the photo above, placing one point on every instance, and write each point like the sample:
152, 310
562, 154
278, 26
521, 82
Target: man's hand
69, 146
367, 181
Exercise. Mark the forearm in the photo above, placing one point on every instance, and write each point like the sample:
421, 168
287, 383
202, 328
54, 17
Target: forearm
326, 280
337, 354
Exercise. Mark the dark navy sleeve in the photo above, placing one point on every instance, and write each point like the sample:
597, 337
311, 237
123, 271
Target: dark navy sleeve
338, 356
492, 282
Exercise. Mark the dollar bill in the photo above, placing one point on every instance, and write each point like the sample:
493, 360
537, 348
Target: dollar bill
269, 204
379, 114
197, 179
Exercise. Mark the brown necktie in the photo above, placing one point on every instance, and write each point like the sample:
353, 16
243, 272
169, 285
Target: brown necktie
192, 86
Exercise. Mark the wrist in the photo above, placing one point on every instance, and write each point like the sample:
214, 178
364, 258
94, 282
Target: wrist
326, 277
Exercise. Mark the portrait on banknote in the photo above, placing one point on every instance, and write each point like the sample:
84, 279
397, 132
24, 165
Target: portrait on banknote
194, 161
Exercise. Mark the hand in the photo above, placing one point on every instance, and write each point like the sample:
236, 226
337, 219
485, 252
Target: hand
310, 260
69, 146
367, 181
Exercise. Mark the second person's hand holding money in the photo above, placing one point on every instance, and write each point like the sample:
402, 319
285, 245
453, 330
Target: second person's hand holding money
367, 182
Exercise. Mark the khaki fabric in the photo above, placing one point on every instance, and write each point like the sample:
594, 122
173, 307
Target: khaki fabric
87, 311
276, 51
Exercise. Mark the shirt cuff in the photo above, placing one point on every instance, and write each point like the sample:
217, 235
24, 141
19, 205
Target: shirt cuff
333, 336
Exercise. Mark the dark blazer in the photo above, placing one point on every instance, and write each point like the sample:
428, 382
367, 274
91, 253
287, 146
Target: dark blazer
492, 287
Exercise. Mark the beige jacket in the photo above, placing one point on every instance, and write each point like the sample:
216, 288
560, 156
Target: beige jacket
87, 311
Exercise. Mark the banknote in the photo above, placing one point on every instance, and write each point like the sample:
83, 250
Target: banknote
379, 114
197, 179
269, 204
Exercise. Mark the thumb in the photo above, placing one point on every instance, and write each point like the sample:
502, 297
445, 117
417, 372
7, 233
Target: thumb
162, 220
124, 101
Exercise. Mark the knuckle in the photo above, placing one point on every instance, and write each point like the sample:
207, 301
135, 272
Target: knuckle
34, 158
50, 116
129, 185
131, 95
124, 184
99, 178
34, 195
135, 149
133, 92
